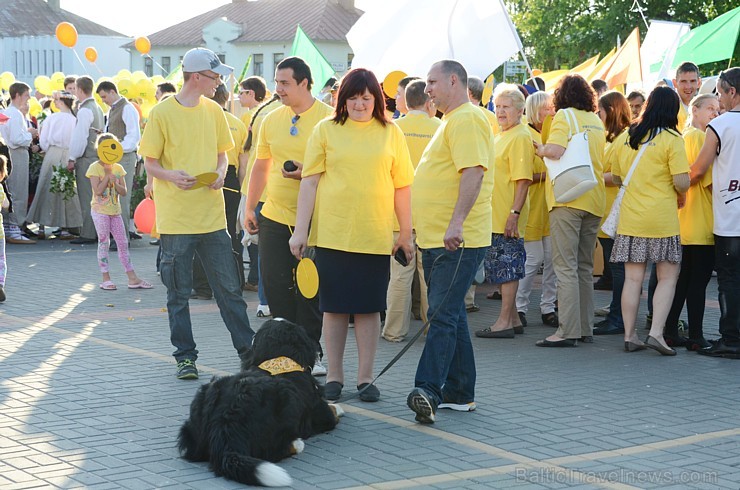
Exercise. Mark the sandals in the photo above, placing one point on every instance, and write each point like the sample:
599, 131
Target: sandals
141, 285
108, 286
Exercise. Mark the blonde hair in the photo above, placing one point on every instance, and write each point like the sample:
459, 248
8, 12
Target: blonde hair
533, 104
698, 102
105, 136
512, 92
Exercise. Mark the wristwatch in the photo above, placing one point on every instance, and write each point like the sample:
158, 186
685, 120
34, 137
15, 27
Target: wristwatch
514, 211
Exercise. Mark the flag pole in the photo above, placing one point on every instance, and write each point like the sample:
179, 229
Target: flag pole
516, 34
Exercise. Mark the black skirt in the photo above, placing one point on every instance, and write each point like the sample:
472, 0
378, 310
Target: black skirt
352, 282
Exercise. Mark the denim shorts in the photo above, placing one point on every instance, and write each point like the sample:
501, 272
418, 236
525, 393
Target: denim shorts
505, 259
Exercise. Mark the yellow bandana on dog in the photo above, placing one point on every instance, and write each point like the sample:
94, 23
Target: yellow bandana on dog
280, 365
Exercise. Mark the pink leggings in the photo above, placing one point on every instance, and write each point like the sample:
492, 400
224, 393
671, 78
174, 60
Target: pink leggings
3, 268
106, 225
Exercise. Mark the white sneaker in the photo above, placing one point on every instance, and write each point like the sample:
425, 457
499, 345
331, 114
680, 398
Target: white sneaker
318, 368
263, 311
602, 311
459, 407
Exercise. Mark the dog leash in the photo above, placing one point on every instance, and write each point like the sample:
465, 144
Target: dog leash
416, 335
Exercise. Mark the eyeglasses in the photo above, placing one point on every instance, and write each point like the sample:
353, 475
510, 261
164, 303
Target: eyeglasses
293, 129
217, 77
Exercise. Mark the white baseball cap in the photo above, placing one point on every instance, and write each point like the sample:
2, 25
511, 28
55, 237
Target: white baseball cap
201, 59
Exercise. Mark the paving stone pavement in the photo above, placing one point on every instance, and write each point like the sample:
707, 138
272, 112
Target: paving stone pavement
88, 399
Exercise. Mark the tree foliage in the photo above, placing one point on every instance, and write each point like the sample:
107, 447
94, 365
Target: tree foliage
564, 33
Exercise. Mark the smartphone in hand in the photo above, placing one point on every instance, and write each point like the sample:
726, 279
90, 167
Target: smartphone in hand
401, 257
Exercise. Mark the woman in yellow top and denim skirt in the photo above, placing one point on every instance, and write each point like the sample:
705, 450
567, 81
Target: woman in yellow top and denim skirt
648, 229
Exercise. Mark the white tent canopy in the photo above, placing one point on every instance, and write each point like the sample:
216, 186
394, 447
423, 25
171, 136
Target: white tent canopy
410, 35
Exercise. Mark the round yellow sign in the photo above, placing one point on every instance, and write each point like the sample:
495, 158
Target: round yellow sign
307, 277
110, 151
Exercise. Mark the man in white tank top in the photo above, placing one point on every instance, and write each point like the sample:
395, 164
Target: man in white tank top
722, 149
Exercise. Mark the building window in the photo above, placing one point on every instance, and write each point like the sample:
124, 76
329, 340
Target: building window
23, 63
277, 58
61, 62
15, 60
30, 62
350, 57
222, 58
258, 65
148, 67
46, 56
166, 66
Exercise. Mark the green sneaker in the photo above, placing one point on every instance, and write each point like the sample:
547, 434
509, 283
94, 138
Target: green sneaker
186, 369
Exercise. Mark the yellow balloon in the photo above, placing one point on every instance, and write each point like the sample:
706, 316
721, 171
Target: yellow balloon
66, 34
42, 83
142, 44
100, 101
54, 107
126, 88
138, 75
488, 89
6, 80
390, 84
146, 107
124, 73
157, 79
34, 107
57, 80
91, 54
145, 89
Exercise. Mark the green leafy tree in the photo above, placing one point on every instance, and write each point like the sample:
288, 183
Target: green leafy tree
564, 33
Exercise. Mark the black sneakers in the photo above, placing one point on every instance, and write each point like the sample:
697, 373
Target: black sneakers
186, 369
423, 405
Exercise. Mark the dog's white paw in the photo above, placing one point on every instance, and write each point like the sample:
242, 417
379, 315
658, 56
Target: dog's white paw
271, 475
298, 446
338, 410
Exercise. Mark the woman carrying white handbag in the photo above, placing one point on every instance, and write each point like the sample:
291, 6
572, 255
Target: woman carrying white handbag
576, 199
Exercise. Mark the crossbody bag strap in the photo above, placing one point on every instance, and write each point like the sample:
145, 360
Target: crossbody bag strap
637, 160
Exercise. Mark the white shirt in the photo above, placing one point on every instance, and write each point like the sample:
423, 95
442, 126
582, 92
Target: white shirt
131, 120
726, 175
78, 143
57, 130
15, 131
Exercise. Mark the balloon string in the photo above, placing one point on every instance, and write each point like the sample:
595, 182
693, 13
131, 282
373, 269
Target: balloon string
80, 60
97, 68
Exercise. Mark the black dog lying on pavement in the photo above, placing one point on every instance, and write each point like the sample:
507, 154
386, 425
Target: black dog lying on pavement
238, 423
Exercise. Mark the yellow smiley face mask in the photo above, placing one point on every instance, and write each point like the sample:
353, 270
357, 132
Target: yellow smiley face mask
110, 151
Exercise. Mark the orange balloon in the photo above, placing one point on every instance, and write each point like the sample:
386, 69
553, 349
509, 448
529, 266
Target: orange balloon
144, 216
66, 34
536, 72
91, 54
142, 44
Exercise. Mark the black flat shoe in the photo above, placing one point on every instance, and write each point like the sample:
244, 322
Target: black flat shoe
652, 343
587, 339
487, 333
556, 343
550, 319
632, 347
333, 390
697, 344
721, 349
519, 329
371, 393
522, 318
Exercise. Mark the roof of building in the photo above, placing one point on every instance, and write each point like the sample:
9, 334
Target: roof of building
38, 18
267, 20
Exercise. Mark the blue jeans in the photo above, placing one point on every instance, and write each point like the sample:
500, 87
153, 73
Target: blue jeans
727, 265
614, 318
177, 275
446, 368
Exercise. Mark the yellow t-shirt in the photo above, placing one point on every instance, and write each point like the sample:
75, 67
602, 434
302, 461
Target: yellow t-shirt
361, 166
239, 135
491, 120
256, 124
649, 207
696, 218
109, 202
188, 139
418, 128
276, 142
464, 140
538, 223
514, 161
683, 116
610, 155
592, 201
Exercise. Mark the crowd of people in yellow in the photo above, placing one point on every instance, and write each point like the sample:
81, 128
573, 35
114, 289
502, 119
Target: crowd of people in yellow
441, 187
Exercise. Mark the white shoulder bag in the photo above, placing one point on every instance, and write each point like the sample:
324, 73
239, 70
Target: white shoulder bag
573, 174
612, 221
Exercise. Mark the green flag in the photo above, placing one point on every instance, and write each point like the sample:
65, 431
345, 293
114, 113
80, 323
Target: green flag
244, 72
175, 75
713, 41
304, 48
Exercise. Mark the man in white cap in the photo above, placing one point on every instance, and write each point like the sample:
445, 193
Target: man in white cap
184, 146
